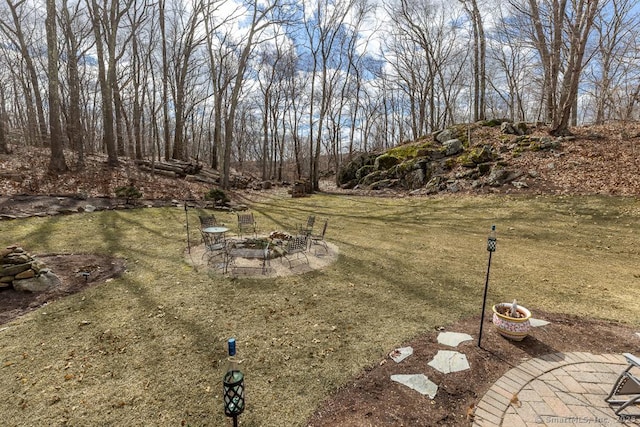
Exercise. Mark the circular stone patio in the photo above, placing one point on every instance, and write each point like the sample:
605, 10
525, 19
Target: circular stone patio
277, 267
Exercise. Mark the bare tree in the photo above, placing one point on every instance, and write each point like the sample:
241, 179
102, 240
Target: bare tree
106, 18
57, 163
513, 69
260, 15
298, 103
76, 47
324, 31
185, 41
269, 70
426, 58
16, 34
616, 27
142, 43
583, 14
560, 30
221, 64
479, 58
4, 146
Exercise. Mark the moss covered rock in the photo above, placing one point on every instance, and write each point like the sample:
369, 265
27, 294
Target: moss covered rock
385, 162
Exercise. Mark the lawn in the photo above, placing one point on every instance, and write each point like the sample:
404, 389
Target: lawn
148, 348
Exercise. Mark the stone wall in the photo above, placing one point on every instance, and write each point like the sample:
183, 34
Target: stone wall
18, 269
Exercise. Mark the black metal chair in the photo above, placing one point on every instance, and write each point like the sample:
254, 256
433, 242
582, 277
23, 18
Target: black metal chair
215, 245
246, 224
307, 229
207, 221
626, 390
318, 239
295, 249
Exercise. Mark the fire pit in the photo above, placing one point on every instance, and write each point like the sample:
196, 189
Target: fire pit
280, 236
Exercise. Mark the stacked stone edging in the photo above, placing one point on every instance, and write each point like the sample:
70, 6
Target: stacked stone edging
47, 206
20, 270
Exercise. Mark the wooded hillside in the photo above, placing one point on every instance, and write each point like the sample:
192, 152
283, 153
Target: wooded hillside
599, 160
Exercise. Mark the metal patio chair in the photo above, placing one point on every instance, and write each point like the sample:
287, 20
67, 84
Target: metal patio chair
626, 390
246, 224
295, 249
215, 245
318, 239
207, 221
307, 229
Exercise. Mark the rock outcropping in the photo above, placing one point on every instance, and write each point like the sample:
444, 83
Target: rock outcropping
447, 162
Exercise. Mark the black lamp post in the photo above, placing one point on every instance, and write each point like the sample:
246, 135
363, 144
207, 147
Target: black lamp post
491, 248
233, 386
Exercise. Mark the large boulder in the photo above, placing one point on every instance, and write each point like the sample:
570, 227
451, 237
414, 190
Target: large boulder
43, 282
497, 177
500, 176
518, 128
382, 184
372, 178
446, 135
385, 162
413, 179
452, 147
482, 155
347, 173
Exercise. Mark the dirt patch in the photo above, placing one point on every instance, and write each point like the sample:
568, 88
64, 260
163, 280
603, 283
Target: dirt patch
372, 399
69, 268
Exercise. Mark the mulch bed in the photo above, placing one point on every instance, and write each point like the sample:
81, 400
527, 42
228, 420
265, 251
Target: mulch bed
69, 268
372, 399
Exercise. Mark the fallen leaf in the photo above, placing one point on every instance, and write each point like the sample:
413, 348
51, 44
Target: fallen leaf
515, 401
471, 412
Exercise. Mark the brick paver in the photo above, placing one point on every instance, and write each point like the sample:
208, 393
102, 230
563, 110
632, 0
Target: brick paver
554, 390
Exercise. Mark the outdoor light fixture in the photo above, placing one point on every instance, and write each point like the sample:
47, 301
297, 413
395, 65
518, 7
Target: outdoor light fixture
491, 241
491, 247
233, 385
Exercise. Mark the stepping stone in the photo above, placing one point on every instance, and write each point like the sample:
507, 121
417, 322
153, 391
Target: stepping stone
417, 382
447, 361
537, 322
399, 354
452, 339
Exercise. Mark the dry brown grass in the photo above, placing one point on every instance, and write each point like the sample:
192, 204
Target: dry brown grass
148, 348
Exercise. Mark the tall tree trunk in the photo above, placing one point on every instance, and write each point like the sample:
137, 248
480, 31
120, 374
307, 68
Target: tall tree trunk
31, 70
4, 146
106, 76
138, 100
482, 55
118, 110
165, 83
265, 136
57, 163
258, 15
217, 131
74, 120
580, 30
